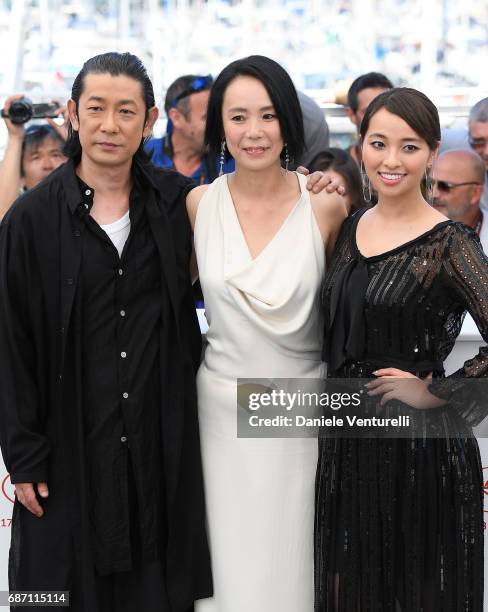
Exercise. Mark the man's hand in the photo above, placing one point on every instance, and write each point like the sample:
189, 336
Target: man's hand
14, 131
318, 181
391, 384
61, 128
26, 494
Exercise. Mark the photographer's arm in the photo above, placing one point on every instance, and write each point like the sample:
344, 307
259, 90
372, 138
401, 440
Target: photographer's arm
10, 179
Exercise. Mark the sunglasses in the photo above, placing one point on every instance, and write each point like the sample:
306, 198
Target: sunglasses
446, 187
200, 83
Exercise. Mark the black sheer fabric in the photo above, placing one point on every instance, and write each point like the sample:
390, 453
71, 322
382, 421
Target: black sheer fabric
399, 522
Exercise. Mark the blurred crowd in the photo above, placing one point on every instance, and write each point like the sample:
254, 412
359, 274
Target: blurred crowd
457, 187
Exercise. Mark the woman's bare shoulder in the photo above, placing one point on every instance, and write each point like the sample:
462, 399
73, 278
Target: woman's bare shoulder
193, 200
330, 211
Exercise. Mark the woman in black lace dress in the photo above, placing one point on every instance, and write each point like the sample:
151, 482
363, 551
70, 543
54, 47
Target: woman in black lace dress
399, 522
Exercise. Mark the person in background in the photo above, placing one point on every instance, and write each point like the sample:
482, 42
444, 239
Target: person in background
475, 137
182, 147
362, 91
457, 187
478, 140
31, 154
341, 165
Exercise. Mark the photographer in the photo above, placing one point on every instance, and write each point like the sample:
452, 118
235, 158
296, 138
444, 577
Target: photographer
30, 155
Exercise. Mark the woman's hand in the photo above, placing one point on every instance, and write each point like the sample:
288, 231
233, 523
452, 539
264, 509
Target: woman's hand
318, 181
392, 384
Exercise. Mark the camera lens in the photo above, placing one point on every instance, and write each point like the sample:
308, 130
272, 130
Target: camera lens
20, 111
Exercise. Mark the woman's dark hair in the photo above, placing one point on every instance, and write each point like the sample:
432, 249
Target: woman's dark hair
34, 137
413, 107
281, 91
341, 162
115, 64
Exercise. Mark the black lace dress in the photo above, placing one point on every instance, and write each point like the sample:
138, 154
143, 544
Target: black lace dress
399, 522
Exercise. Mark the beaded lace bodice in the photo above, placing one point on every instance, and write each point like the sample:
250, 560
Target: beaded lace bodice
405, 307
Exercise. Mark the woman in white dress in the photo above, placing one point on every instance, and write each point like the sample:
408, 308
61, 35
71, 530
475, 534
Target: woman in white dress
260, 240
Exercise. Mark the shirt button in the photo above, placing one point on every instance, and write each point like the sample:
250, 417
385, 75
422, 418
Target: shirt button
123, 354
87, 206
123, 439
120, 271
125, 395
77, 233
87, 191
122, 313
70, 281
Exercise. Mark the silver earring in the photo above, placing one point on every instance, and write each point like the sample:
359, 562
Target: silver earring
428, 188
366, 183
222, 157
287, 158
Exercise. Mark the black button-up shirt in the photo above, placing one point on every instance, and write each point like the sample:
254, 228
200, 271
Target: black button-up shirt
121, 318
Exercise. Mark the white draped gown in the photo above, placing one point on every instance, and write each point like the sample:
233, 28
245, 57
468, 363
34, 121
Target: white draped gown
264, 322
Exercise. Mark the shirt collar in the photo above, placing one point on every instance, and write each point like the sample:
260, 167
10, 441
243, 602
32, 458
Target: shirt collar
80, 195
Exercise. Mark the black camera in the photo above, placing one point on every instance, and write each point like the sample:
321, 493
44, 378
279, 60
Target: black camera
23, 110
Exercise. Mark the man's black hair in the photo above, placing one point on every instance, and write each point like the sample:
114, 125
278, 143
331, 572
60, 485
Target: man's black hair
365, 81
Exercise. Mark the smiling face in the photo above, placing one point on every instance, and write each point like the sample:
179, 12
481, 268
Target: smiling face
111, 118
251, 127
395, 157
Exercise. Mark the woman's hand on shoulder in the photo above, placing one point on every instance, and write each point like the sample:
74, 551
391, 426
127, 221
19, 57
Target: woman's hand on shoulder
330, 212
193, 200
319, 181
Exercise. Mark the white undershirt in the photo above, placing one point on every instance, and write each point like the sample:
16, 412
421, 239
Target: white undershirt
118, 232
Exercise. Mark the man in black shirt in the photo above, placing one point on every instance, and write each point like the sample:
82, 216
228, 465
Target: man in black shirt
98, 346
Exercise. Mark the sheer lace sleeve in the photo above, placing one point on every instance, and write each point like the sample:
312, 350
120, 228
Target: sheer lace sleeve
466, 270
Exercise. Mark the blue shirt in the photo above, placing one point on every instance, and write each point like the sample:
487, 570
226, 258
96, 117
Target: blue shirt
159, 149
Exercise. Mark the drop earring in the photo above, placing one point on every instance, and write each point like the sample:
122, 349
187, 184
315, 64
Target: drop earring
287, 158
222, 157
366, 184
428, 187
